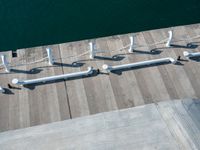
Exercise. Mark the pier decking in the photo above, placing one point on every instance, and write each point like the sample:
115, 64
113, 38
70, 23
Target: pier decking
50, 102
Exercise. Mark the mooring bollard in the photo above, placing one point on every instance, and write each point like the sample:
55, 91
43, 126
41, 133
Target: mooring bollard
170, 33
5, 63
131, 44
49, 55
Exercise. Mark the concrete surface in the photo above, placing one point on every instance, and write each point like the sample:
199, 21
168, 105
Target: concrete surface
167, 125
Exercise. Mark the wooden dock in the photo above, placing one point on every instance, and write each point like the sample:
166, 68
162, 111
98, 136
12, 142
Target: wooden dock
45, 103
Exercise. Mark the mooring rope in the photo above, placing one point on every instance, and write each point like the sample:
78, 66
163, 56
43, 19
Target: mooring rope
87, 52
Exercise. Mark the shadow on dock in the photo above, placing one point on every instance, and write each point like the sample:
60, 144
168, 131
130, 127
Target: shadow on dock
154, 51
8, 91
74, 64
119, 72
37, 70
31, 71
113, 58
117, 57
197, 59
33, 86
188, 46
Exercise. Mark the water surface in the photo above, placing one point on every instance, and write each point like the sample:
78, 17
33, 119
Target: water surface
27, 23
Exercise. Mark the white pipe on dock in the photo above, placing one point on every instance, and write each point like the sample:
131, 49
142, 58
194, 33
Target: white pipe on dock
52, 78
137, 64
5, 63
189, 54
131, 44
2, 90
49, 55
169, 38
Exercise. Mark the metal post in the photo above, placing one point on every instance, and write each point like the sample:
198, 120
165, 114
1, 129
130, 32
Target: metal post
5, 63
131, 44
169, 38
49, 55
92, 50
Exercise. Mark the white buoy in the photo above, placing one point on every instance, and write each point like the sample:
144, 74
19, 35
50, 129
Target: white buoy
131, 44
189, 54
170, 33
2, 90
137, 64
53, 78
49, 55
5, 63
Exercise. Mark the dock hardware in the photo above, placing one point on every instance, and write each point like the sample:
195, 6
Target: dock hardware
190, 54
137, 64
93, 50
170, 33
53, 78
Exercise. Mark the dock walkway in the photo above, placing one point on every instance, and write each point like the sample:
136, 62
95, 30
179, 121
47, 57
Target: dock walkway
45, 103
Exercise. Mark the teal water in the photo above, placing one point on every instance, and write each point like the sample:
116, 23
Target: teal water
27, 23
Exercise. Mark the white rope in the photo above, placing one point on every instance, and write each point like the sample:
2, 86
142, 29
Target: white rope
195, 37
73, 56
87, 52
29, 63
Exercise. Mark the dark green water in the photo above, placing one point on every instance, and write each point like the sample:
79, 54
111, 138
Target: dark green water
27, 23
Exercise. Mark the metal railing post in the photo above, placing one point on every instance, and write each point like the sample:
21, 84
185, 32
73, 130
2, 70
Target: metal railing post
5, 63
92, 50
130, 50
49, 55
170, 33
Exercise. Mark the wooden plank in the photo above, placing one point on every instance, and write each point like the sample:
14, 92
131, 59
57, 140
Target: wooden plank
76, 96
167, 81
178, 75
156, 77
62, 100
113, 78
93, 87
138, 98
105, 80
192, 67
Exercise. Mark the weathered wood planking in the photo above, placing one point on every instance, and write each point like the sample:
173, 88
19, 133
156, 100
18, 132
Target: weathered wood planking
45, 103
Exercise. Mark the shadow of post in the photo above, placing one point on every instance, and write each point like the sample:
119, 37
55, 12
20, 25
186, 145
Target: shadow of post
154, 51
119, 72
32, 71
188, 46
74, 64
197, 59
8, 91
32, 86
